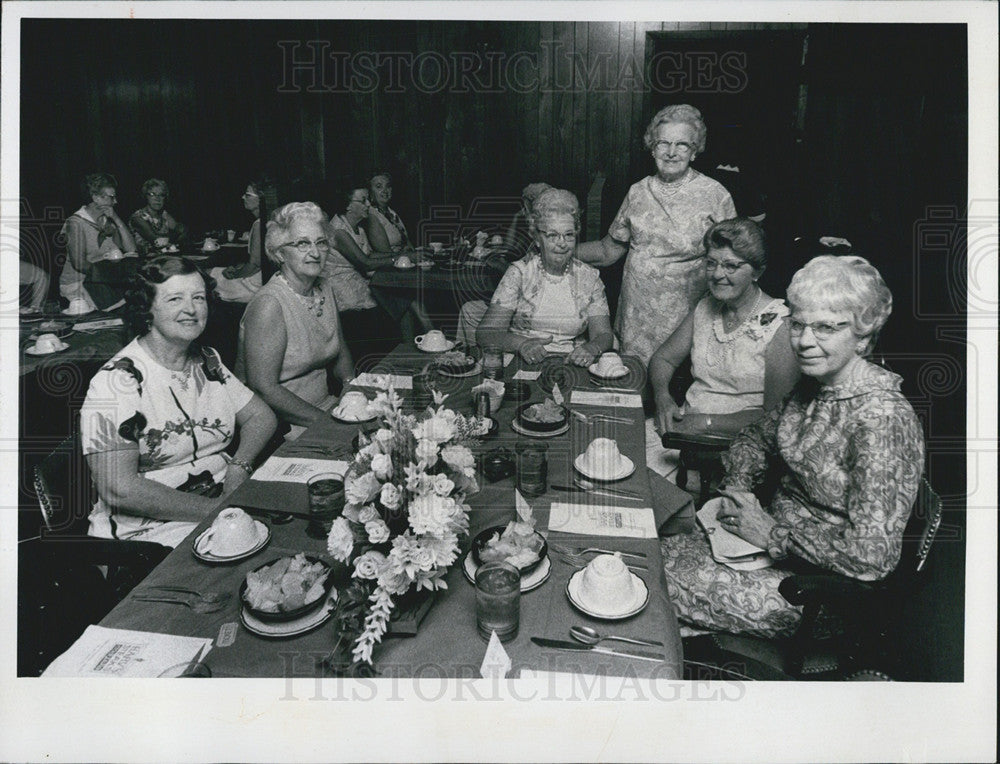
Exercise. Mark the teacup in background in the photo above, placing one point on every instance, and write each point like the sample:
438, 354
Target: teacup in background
353, 403
48, 343
434, 340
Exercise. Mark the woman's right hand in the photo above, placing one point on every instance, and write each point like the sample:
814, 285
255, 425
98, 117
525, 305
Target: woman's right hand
668, 414
532, 350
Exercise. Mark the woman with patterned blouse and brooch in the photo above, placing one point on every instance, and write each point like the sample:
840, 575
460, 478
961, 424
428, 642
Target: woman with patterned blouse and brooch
152, 226
383, 225
158, 417
741, 360
661, 224
851, 451
291, 332
547, 302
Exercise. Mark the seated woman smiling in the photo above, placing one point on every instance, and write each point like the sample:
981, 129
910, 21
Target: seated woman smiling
850, 450
291, 332
741, 360
160, 414
549, 302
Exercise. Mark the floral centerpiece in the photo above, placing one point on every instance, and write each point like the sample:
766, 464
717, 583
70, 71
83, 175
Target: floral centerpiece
405, 510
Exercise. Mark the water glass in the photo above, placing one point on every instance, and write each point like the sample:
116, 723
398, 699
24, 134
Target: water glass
326, 501
532, 469
492, 362
498, 600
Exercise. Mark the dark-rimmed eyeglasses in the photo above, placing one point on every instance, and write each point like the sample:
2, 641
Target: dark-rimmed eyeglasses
729, 267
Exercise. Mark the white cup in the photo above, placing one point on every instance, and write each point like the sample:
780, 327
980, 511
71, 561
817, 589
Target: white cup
403, 261
606, 584
353, 404
610, 363
233, 532
48, 343
603, 457
434, 341
78, 306
496, 240
230, 234
210, 244
436, 246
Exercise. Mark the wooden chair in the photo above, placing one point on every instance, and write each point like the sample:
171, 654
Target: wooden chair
867, 611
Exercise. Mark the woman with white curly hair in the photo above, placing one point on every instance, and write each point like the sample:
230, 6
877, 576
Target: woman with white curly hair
661, 225
291, 332
851, 451
550, 302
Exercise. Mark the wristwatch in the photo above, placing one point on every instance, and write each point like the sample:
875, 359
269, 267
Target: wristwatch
243, 464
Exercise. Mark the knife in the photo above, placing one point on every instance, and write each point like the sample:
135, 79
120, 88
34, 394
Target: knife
597, 492
561, 644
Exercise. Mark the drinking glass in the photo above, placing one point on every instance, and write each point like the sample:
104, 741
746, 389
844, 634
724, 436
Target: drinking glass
532, 468
326, 501
492, 362
498, 600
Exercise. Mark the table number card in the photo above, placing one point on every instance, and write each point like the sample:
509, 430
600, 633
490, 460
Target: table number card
601, 520
616, 400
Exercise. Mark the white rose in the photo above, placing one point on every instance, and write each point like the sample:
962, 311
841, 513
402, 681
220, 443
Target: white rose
431, 514
390, 496
377, 531
368, 513
382, 466
443, 485
383, 436
340, 542
461, 459
361, 490
427, 451
439, 428
369, 564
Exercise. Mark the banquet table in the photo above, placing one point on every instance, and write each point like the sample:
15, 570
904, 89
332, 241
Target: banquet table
471, 280
447, 643
85, 345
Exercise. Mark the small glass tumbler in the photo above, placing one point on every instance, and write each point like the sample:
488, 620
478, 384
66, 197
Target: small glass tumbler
532, 468
498, 600
326, 501
492, 362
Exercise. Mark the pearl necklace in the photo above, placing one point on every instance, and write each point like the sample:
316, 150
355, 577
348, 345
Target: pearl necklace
313, 302
738, 324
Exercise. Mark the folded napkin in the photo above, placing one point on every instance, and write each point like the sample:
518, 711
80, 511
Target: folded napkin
728, 548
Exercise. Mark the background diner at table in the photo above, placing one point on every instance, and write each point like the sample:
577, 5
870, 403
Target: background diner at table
159, 416
291, 330
153, 228
736, 336
549, 302
661, 225
239, 283
850, 450
384, 226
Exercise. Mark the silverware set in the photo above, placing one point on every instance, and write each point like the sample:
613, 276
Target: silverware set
207, 602
599, 418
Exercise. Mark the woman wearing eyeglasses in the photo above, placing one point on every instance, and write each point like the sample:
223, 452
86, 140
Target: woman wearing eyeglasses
850, 450
550, 302
741, 360
661, 225
239, 283
152, 226
291, 332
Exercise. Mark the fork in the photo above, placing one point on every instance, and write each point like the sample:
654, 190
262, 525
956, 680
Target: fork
592, 418
206, 596
580, 550
197, 604
579, 561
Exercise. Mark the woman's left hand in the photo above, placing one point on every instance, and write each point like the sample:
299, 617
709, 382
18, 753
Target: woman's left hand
581, 356
742, 515
235, 477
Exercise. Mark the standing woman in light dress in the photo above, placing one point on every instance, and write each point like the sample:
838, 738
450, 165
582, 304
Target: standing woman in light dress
661, 224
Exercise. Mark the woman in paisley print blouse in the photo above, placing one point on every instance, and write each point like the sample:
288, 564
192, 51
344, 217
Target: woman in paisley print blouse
160, 414
547, 302
852, 452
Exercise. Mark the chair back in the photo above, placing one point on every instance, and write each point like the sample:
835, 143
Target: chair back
64, 488
925, 519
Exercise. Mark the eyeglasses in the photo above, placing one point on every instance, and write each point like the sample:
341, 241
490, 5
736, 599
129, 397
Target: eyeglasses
728, 267
304, 246
665, 147
156, 195
822, 330
112, 196
249, 194
364, 200
555, 237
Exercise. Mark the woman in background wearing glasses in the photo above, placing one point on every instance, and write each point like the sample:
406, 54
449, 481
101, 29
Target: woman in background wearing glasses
547, 303
291, 332
741, 359
850, 450
661, 224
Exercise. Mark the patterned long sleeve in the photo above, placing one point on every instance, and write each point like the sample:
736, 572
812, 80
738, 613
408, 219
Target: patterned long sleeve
751, 452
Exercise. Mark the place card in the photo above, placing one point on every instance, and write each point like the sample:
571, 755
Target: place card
398, 381
615, 400
603, 520
496, 662
528, 376
124, 653
285, 469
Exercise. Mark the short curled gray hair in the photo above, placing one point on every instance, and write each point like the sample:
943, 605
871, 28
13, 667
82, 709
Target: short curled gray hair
845, 283
555, 201
743, 236
282, 219
152, 183
680, 112
532, 191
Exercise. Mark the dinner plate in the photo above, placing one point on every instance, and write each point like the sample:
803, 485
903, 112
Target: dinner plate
32, 351
352, 420
290, 628
449, 345
627, 469
538, 433
629, 609
529, 581
443, 371
484, 536
200, 550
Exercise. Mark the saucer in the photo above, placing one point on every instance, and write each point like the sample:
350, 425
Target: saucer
628, 609
520, 430
32, 351
449, 344
593, 370
461, 375
206, 251
353, 420
529, 582
76, 313
263, 536
404, 267
627, 468
290, 628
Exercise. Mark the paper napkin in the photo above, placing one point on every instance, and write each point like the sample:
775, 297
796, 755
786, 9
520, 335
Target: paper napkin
524, 511
728, 548
496, 662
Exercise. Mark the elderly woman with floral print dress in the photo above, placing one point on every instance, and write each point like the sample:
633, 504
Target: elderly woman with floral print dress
549, 302
851, 450
661, 225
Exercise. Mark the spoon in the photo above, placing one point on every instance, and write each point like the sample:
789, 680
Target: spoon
588, 485
589, 636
